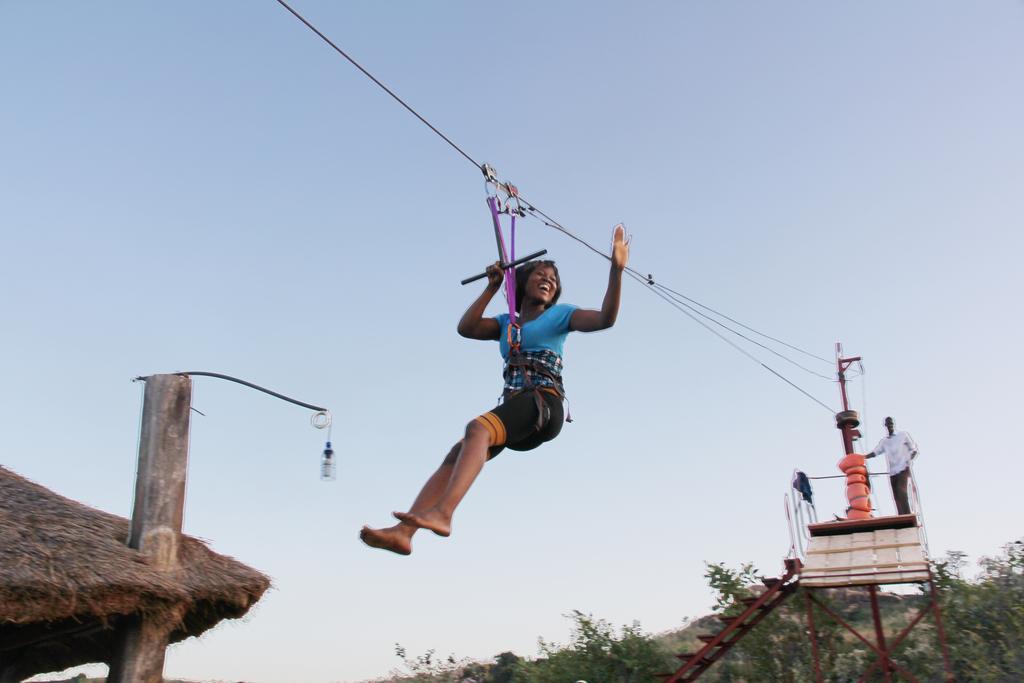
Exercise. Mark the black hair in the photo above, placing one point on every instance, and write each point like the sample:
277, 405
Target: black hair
523, 274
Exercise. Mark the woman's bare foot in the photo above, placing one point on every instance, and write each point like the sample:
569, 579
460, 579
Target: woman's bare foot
432, 519
392, 538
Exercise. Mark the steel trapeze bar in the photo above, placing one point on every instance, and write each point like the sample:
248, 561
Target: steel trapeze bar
503, 266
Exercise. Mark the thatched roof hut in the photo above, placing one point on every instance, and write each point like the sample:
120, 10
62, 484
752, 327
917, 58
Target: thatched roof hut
67, 579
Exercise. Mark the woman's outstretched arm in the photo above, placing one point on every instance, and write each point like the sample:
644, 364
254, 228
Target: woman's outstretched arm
584, 320
473, 324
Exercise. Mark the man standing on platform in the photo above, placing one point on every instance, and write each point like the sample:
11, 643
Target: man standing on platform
899, 449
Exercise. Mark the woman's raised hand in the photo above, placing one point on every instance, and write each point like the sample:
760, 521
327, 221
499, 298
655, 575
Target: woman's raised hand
495, 275
620, 247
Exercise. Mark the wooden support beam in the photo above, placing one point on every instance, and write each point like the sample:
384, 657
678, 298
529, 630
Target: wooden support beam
141, 643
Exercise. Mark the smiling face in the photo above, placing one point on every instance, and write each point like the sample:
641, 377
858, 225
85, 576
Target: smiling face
542, 284
538, 282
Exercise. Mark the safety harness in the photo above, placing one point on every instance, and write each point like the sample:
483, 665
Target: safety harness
536, 371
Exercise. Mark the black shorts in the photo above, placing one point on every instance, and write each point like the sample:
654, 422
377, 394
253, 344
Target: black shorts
513, 424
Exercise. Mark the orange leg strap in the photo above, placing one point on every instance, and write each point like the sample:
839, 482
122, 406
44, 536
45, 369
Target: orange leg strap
495, 427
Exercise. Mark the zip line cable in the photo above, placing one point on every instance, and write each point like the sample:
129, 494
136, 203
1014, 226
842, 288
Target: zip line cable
746, 327
743, 336
552, 223
728, 341
382, 86
649, 280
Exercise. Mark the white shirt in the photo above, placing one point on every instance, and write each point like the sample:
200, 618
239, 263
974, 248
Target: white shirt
897, 449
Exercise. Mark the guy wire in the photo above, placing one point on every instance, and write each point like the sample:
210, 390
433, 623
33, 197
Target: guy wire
728, 341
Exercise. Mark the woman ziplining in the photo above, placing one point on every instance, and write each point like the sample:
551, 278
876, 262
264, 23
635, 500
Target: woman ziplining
531, 338
398, 538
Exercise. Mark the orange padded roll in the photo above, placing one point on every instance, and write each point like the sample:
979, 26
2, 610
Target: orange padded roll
861, 503
857, 487
856, 490
851, 460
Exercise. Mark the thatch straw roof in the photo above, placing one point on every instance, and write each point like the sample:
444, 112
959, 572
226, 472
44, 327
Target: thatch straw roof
67, 578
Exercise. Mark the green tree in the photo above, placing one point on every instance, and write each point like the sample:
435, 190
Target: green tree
597, 654
500, 670
504, 669
984, 618
776, 650
428, 668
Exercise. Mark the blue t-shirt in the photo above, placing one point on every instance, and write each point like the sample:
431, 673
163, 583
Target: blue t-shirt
545, 332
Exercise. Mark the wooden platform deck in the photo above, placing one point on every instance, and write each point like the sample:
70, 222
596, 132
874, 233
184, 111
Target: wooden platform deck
849, 526
865, 552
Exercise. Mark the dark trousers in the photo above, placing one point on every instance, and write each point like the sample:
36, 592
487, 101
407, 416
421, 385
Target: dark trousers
899, 482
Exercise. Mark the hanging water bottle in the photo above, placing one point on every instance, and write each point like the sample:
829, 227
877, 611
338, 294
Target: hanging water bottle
322, 420
327, 467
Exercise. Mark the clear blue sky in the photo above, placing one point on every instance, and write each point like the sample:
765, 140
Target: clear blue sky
208, 186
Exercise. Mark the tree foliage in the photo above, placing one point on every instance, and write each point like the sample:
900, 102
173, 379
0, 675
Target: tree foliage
596, 653
983, 618
428, 667
777, 649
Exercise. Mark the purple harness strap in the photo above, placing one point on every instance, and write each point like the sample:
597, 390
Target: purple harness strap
506, 257
514, 331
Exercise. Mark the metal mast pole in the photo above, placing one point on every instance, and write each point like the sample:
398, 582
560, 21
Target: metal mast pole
847, 420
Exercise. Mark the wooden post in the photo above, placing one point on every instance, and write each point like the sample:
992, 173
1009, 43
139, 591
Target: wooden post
140, 643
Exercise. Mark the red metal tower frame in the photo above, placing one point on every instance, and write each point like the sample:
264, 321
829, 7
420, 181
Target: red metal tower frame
756, 608
884, 649
847, 422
